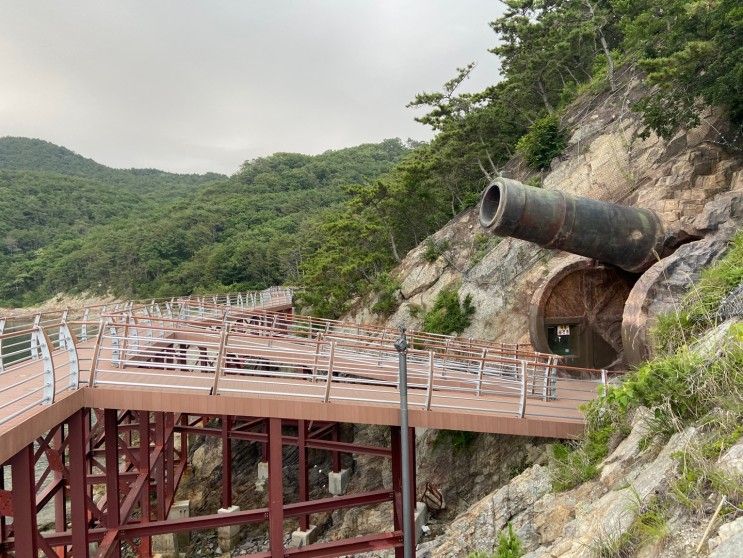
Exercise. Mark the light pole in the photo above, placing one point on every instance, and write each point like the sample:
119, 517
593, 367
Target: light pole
407, 536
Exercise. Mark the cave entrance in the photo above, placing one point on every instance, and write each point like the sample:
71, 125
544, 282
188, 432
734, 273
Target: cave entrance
577, 313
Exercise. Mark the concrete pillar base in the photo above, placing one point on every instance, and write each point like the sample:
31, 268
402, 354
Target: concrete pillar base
304, 538
421, 518
227, 536
171, 545
260, 484
338, 482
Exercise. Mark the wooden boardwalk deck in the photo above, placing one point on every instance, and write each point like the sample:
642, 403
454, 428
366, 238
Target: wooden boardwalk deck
220, 363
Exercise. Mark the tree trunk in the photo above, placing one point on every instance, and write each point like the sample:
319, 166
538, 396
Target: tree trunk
395, 254
543, 94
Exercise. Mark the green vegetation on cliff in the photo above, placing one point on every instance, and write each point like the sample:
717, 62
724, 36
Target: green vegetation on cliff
697, 381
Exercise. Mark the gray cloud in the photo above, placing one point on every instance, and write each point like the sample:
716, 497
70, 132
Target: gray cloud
193, 86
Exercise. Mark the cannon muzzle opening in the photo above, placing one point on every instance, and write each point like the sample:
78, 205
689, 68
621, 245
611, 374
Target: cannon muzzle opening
627, 237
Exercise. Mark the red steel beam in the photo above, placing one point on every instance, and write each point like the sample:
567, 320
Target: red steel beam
110, 546
303, 472
24, 503
313, 443
275, 489
78, 487
145, 546
356, 545
226, 461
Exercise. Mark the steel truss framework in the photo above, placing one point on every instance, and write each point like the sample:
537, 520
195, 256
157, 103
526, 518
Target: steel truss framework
137, 458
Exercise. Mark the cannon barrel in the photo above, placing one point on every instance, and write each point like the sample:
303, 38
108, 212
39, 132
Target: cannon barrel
627, 237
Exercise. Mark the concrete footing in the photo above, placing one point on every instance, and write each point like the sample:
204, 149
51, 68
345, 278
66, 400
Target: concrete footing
304, 538
260, 484
421, 518
227, 536
338, 482
171, 545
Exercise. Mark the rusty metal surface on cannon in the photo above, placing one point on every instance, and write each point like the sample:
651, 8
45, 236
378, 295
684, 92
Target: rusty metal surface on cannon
627, 237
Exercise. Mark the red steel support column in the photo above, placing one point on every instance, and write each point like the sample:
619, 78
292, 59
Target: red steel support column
145, 547
3, 528
169, 462
303, 472
396, 484
78, 489
184, 440
336, 456
275, 489
24, 503
264, 446
160, 469
226, 461
60, 498
113, 519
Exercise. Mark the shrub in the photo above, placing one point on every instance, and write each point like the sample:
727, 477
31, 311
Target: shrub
544, 141
482, 243
650, 526
458, 440
687, 386
699, 307
385, 287
448, 314
434, 250
509, 546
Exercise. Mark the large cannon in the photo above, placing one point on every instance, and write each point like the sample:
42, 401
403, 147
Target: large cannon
627, 237
578, 309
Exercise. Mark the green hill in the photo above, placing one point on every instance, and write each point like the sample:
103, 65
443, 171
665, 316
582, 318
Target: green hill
27, 154
85, 227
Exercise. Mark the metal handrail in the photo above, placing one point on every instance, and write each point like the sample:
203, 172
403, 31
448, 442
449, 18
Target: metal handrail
211, 348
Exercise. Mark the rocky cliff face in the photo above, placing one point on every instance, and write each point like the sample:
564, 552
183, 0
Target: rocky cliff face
694, 182
594, 518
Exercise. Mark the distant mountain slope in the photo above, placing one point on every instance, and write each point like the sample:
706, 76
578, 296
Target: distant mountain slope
240, 232
27, 154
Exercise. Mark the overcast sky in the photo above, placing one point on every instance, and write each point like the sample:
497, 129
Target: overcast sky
193, 86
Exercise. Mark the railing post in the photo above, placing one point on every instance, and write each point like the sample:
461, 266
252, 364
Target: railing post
115, 351
524, 382
34, 340
604, 380
219, 363
148, 321
331, 361
42, 342
84, 327
69, 343
60, 338
96, 353
2, 328
318, 343
481, 372
429, 395
549, 389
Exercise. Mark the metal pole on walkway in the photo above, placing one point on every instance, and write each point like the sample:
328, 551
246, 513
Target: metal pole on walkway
408, 537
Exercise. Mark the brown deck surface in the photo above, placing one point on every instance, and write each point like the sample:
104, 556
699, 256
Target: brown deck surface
287, 377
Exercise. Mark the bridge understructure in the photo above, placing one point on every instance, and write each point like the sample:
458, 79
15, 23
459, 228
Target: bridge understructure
111, 477
97, 406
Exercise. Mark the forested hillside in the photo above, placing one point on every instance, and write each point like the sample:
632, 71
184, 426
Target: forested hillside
687, 53
111, 233
26, 154
338, 222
